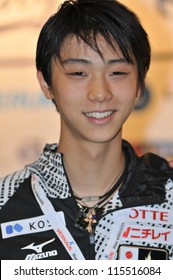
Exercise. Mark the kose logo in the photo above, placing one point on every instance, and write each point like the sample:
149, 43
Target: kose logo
10, 229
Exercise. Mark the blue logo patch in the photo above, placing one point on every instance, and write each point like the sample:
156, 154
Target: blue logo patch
16, 227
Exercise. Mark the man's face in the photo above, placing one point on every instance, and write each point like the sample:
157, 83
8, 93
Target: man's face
94, 96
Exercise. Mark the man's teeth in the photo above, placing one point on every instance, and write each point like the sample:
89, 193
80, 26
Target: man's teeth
99, 115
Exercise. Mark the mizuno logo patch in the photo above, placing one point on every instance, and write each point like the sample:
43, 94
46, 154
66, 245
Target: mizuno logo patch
37, 248
38, 251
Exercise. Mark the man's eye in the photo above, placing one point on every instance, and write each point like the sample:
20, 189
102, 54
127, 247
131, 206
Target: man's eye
117, 73
77, 74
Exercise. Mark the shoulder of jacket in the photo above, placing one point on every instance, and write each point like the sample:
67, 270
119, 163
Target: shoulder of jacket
154, 161
10, 183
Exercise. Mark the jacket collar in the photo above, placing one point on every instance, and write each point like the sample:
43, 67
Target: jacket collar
146, 179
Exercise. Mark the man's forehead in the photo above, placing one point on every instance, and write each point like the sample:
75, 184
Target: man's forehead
77, 47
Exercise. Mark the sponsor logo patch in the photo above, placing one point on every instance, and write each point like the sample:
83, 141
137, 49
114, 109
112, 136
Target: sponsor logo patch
10, 229
27, 226
127, 252
39, 253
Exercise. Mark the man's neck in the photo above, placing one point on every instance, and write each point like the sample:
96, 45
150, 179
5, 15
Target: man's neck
92, 170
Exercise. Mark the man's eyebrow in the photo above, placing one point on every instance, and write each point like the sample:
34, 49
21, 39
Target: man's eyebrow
75, 60
72, 60
116, 61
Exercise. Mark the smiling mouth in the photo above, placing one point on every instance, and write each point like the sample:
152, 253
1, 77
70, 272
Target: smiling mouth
99, 115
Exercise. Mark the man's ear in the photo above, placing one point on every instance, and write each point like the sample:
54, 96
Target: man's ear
138, 95
44, 86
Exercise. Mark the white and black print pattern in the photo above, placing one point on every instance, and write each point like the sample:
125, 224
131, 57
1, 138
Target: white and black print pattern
49, 166
113, 204
10, 184
105, 226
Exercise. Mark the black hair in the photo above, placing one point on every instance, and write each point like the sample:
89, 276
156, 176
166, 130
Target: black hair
86, 19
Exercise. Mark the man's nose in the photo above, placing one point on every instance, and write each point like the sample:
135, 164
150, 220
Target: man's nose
99, 91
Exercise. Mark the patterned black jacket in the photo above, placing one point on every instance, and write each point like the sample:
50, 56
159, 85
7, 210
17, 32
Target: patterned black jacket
147, 192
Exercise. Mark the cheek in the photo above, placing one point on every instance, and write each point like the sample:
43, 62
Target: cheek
128, 100
129, 92
127, 97
67, 101
67, 89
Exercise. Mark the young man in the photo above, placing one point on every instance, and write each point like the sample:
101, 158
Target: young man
90, 196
